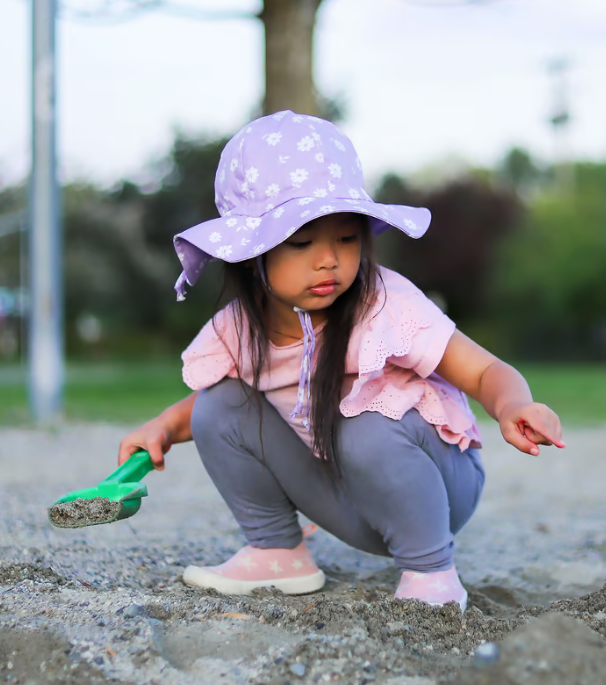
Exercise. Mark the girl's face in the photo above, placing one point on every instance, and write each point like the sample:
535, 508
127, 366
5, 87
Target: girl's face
317, 263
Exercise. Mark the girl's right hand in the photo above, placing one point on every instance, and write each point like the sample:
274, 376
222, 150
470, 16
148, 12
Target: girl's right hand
153, 436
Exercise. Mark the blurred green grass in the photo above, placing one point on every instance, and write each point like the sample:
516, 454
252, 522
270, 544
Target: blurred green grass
577, 393
132, 392
127, 392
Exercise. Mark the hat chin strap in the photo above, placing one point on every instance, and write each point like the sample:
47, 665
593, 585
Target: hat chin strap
309, 345
180, 286
303, 405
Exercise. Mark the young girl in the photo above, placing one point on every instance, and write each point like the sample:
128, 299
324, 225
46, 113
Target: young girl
329, 385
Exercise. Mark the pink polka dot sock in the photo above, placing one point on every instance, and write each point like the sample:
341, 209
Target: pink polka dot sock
293, 571
435, 588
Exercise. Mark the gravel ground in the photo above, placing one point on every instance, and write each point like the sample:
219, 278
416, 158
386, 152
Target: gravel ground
106, 604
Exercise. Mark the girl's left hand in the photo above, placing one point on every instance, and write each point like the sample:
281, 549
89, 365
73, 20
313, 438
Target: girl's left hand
525, 425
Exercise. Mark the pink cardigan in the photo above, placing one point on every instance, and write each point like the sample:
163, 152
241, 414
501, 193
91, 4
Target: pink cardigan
391, 358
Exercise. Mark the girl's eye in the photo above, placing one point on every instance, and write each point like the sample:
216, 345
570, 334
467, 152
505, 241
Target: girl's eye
300, 244
349, 238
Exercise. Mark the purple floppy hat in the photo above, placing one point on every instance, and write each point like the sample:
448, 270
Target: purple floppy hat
275, 175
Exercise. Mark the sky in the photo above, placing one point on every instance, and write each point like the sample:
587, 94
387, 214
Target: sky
428, 84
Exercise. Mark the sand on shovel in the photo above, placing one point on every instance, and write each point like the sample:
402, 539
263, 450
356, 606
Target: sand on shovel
84, 512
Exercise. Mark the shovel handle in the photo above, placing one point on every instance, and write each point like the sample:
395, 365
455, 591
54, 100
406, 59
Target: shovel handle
133, 470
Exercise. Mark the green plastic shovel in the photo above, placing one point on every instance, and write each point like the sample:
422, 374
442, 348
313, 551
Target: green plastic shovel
117, 497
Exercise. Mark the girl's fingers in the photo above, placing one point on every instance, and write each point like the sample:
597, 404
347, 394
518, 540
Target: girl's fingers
532, 425
126, 452
535, 437
155, 447
515, 437
157, 454
544, 423
545, 434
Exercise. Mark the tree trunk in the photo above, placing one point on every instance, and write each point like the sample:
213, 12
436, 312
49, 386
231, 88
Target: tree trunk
289, 30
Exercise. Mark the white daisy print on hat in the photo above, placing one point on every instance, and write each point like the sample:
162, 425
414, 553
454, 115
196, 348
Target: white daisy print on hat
252, 174
273, 138
306, 144
253, 222
224, 251
298, 176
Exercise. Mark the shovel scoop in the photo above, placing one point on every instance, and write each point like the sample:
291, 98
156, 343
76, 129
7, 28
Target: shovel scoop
117, 497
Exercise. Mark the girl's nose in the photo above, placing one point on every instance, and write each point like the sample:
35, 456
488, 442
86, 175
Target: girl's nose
327, 258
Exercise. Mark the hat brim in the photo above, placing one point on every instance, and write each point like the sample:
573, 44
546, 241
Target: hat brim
236, 238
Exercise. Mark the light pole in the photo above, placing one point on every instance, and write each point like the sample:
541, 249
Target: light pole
45, 352
560, 122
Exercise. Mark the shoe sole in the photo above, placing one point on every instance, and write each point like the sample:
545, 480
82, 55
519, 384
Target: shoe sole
462, 602
197, 576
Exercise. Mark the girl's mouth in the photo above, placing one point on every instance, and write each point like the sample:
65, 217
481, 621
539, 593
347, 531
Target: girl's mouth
325, 288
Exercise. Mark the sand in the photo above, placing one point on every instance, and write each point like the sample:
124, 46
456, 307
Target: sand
106, 603
83, 512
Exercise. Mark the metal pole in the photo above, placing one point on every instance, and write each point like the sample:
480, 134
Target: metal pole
45, 354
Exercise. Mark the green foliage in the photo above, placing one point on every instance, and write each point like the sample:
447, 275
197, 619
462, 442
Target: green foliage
519, 263
519, 171
549, 290
12, 200
120, 265
454, 259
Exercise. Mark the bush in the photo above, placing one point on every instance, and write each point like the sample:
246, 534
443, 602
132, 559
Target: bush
549, 291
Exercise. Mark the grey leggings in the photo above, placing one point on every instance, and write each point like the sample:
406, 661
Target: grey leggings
404, 492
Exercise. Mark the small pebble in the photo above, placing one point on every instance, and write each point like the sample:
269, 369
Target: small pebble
133, 610
320, 625
487, 653
298, 669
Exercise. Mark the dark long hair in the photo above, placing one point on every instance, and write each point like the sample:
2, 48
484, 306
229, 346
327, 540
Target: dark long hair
243, 284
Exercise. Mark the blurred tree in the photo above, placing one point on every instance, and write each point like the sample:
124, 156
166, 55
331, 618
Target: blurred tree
12, 200
550, 288
534, 293
186, 195
454, 259
119, 263
289, 30
110, 268
519, 171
